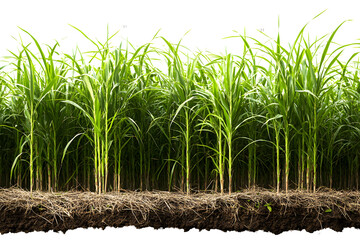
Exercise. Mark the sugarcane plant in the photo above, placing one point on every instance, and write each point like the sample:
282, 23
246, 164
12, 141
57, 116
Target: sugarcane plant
164, 117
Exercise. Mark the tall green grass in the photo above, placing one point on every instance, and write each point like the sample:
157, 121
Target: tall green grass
273, 115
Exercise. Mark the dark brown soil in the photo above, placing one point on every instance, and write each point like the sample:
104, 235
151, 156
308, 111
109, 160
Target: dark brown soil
250, 210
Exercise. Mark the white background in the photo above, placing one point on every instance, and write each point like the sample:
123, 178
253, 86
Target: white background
138, 20
208, 21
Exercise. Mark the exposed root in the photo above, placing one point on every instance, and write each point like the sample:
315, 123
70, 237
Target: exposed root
54, 208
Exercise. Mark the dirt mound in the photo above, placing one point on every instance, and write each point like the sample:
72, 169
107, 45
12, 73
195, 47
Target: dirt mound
248, 210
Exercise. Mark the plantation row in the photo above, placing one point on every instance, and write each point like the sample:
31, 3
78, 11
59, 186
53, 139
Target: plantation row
271, 116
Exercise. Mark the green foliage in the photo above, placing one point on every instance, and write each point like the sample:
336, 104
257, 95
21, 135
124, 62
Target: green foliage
109, 119
268, 206
328, 210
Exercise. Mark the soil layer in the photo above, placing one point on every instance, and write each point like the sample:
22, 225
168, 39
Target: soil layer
249, 210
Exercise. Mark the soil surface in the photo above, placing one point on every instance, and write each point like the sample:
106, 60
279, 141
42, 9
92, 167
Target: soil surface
248, 210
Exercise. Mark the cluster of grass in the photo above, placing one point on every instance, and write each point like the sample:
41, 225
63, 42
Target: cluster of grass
272, 116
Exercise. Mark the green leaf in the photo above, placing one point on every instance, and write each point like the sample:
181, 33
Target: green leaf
268, 206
